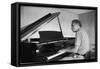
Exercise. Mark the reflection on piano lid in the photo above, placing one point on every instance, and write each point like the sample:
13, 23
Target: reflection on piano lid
34, 27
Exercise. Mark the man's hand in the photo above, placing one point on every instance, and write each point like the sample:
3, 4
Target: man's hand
62, 50
68, 50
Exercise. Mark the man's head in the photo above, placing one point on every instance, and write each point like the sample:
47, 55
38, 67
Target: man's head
76, 25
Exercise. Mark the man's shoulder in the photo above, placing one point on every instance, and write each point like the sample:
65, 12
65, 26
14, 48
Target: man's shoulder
82, 30
83, 33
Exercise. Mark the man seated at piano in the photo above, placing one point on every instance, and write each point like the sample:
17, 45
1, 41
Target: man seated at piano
81, 47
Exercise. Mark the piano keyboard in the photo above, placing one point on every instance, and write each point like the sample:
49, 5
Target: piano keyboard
57, 54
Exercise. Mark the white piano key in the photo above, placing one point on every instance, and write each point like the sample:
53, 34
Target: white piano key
59, 53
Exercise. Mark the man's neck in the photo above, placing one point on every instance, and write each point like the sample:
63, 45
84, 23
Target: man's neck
78, 30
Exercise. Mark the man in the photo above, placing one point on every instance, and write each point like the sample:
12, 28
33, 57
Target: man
81, 41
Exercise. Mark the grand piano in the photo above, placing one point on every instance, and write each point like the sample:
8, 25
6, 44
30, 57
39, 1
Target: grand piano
45, 48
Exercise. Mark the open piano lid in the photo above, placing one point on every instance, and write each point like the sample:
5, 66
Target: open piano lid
32, 28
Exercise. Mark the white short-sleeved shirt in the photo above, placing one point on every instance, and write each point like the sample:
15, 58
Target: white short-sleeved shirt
82, 41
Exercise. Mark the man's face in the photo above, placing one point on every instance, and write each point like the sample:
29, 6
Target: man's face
75, 27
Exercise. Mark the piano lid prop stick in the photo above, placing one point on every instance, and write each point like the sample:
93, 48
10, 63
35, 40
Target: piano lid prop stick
59, 25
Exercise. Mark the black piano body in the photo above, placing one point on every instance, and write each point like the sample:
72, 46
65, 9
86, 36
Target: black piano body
38, 52
50, 42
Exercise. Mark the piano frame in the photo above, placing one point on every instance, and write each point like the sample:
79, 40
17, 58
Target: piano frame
15, 33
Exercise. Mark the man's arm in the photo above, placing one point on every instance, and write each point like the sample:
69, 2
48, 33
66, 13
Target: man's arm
77, 44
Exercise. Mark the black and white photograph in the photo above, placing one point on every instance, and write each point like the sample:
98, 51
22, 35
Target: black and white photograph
50, 34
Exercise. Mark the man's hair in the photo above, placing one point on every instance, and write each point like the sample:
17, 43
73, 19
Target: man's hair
76, 21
